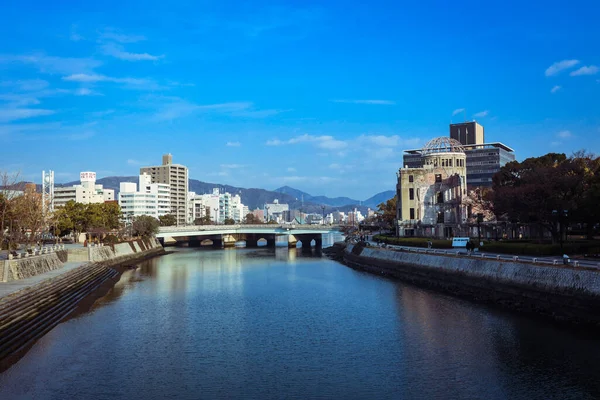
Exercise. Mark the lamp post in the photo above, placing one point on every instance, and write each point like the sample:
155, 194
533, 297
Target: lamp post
560, 216
479, 221
323, 220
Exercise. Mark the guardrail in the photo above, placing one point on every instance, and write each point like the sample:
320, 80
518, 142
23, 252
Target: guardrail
201, 228
498, 257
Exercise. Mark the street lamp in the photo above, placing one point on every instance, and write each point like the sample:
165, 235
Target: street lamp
323, 209
559, 216
479, 221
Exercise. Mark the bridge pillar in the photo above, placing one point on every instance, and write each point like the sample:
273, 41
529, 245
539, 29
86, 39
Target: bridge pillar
319, 241
251, 241
217, 243
270, 240
292, 242
195, 242
228, 240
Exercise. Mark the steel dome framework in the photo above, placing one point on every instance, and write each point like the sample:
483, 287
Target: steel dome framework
443, 145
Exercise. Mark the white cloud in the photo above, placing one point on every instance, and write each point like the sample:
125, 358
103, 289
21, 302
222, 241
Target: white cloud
324, 142
117, 36
564, 134
481, 114
559, 66
586, 70
74, 36
375, 102
233, 166
555, 89
131, 161
233, 144
85, 92
26, 85
291, 169
178, 108
14, 114
117, 51
93, 78
458, 111
53, 65
380, 140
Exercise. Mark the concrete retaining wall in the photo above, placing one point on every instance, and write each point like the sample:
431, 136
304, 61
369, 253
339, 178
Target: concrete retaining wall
11, 270
563, 293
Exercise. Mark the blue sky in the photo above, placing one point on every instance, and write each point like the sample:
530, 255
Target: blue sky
321, 96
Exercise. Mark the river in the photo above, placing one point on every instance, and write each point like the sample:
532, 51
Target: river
276, 323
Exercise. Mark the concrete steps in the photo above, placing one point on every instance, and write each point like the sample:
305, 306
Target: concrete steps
28, 315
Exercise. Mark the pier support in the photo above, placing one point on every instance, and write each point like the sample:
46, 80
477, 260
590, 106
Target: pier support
292, 242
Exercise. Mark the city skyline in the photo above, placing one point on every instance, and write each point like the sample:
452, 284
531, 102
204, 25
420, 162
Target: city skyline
323, 98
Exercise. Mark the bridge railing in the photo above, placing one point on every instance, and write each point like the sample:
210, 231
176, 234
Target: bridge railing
201, 228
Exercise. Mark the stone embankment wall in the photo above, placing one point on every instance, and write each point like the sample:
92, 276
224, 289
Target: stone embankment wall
14, 269
564, 293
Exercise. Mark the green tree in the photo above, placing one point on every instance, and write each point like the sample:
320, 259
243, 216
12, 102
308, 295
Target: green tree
167, 220
145, 226
251, 219
204, 220
539, 189
229, 221
388, 210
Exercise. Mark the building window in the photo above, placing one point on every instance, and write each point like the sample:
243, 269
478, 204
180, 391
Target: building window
440, 218
438, 178
412, 213
411, 194
440, 197
450, 162
411, 178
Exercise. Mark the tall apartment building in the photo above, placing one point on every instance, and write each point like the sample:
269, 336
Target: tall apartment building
483, 159
275, 210
153, 199
86, 192
176, 176
219, 206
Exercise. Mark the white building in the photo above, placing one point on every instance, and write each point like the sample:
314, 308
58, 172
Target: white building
219, 206
275, 210
152, 199
176, 176
87, 192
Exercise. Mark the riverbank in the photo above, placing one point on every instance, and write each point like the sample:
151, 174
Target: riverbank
564, 294
30, 312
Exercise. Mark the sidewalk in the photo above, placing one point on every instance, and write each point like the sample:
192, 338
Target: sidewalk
548, 260
7, 288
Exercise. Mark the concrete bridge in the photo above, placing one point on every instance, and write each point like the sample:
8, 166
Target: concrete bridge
228, 235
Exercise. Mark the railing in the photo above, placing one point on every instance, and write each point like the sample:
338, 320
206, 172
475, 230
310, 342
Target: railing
498, 257
200, 228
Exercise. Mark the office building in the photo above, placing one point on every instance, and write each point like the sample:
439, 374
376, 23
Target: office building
219, 206
153, 199
467, 133
176, 176
275, 211
431, 197
87, 192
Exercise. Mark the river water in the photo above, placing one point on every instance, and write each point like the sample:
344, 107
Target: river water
277, 324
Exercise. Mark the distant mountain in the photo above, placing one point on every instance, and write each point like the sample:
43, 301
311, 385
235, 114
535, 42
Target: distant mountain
337, 202
379, 198
256, 198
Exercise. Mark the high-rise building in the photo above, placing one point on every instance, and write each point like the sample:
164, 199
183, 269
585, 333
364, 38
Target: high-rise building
275, 210
219, 206
431, 196
176, 176
467, 133
153, 199
483, 159
86, 192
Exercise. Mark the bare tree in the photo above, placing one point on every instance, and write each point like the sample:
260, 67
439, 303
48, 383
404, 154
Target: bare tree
9, 190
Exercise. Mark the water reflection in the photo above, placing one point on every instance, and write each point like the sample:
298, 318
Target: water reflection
284, 323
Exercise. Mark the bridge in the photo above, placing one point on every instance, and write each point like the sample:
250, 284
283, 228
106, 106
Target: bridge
228, 235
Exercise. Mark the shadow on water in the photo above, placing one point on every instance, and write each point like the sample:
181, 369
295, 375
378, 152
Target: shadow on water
524, 357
